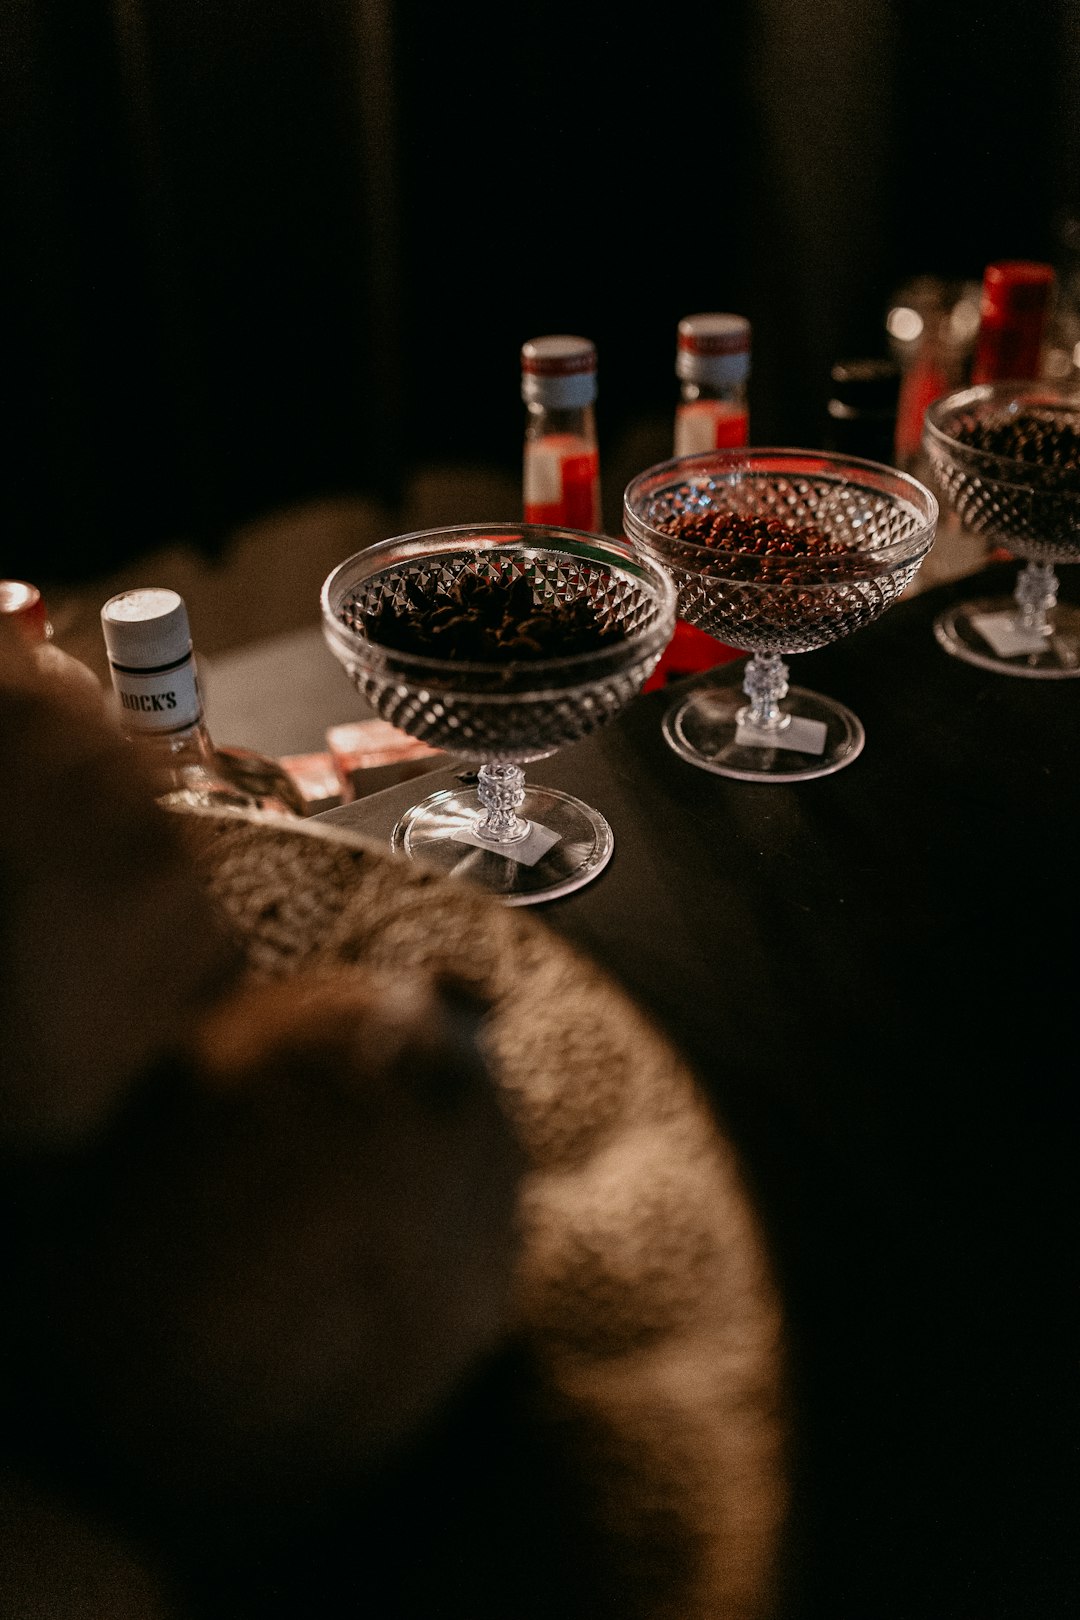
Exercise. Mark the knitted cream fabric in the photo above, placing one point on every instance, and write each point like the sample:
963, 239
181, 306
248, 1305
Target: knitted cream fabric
644, 1283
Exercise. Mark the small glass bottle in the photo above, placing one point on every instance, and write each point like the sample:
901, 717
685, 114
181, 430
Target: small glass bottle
561, 457
712, 363
931, 325
1013, 318
159, 705
23, 606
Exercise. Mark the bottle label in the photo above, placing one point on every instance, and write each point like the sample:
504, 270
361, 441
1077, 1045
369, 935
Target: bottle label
562, 482
710, 424
158, 700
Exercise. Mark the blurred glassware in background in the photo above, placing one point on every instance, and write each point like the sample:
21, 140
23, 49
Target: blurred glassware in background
945, 333
159, 707
940, 329
1061, 346
931, 326
862, 408
561, 472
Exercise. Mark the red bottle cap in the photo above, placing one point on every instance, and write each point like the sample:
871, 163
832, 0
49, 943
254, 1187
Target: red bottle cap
1015, 289
1012, 316
24, 605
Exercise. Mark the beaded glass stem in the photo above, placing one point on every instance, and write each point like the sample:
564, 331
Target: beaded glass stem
766, 685
1035, 595
501, 790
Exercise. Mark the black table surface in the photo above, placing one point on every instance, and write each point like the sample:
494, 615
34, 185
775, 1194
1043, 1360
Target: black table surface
874, 974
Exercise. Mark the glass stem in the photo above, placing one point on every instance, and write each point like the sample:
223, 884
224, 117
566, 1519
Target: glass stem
765, 684
1035, 595
501, 789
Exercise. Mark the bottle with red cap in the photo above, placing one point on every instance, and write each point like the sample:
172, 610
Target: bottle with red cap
561, 456
1013, 316
712, 363
23, 606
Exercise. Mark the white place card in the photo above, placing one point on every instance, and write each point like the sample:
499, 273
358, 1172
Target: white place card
1006, 635
801, 736
527, 851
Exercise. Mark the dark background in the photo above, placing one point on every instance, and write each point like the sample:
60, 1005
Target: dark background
257, 253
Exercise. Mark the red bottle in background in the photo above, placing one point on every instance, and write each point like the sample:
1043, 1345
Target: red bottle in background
931, 326
561, 475
712, 363
1013, 317
23, 606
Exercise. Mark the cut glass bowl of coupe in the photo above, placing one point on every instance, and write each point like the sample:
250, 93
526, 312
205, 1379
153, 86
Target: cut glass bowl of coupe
1007, 457
776, 552
500, 643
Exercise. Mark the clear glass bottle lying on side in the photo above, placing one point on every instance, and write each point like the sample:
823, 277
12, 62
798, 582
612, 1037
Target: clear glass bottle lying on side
159, 706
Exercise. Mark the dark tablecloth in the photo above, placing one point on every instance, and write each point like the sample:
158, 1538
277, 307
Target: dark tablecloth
875, 974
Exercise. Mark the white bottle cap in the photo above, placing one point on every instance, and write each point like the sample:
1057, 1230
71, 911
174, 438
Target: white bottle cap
146, 629
559, 372
713, 349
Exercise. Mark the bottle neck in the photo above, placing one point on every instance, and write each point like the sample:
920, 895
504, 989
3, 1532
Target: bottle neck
733, 393
1009, 351
561, 474
190, 746
541, 421
711, 416
162, 706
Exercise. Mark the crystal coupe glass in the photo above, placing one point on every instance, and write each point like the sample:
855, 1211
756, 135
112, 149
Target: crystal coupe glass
806, 546
524, 843
1029, 502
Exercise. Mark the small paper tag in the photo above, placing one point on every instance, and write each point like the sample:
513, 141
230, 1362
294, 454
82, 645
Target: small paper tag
543, 473
1006, 635
801, 736
527, 851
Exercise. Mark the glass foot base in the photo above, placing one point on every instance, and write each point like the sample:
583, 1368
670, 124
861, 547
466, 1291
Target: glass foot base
704, 729
431, 832
1055, 657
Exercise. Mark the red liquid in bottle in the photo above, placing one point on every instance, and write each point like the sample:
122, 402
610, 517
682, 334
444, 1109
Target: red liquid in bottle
700, 425
710, 424
562, 482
